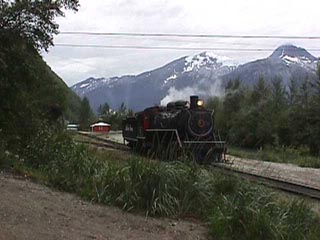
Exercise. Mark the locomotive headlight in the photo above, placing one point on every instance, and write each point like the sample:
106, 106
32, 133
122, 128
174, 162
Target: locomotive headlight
200, 103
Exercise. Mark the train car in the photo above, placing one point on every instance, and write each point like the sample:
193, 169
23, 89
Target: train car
181, 127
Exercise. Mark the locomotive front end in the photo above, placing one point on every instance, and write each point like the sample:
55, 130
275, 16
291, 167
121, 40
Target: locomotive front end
201, 139
200, 123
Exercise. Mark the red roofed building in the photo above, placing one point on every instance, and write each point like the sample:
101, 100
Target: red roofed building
100, 127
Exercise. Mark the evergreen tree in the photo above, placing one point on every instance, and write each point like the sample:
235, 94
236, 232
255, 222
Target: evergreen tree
234, 95
268, 115
86, 114
234, 121
278, 94
261, 113
261, 91
293, 91
300, 116
279, 112
314, 118
123, 109
103, 110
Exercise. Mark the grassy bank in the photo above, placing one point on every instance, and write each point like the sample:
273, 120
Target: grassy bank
300, 157
233, 208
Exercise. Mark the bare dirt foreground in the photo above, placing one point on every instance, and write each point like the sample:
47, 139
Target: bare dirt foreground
32, 211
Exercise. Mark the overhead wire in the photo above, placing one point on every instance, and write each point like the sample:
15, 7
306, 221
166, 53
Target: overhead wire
169, 47
131, 34
178, 35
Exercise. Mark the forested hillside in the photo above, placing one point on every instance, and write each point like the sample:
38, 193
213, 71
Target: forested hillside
271, 114
32, 95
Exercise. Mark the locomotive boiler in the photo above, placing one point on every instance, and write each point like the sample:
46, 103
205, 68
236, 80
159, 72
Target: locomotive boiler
179, 128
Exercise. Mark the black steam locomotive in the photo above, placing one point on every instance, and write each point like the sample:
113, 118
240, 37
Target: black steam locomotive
181, 127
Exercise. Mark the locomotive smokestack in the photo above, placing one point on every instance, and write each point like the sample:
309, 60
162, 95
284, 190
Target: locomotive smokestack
193, 101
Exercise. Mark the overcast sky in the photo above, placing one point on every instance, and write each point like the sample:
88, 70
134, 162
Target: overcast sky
229, 17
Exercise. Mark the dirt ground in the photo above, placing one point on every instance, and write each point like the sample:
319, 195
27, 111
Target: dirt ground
33, 211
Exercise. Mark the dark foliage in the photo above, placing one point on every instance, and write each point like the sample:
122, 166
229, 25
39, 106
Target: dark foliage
114, 117
31, 94
34, 20
270, 114
86, 115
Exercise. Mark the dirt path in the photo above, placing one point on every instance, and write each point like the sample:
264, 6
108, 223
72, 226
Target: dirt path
33, 211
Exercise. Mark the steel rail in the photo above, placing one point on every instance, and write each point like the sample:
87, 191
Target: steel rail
108, 143
288, 186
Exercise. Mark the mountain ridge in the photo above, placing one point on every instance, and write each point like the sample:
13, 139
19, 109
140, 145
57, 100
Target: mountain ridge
203, 74
286, 62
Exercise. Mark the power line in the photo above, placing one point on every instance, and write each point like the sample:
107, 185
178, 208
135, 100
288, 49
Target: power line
170, 48
190, 35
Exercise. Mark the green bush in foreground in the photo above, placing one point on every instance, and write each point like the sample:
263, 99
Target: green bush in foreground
234, 208
253, 213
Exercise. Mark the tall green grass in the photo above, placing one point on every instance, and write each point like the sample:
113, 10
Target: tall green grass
233, 208
255, 213
300, 157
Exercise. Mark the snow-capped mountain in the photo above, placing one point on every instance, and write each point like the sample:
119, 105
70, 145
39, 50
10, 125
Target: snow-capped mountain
137, 92
291, 52
292, 55
286, 62
91, 84
204, 74
207, 60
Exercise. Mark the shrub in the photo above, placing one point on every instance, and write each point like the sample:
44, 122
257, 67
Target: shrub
254, 213
167, 189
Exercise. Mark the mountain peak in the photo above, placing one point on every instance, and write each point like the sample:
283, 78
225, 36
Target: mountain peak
207, 59
292, 52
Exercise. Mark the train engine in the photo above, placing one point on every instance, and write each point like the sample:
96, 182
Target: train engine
179, 127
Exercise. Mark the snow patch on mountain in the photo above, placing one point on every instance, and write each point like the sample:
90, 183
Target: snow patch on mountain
289, 59
301, 61
206, 59
171, 78
84, 85
91, 84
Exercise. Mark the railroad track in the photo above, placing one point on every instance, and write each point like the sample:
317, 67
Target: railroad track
288, 186
102, 142
297, 188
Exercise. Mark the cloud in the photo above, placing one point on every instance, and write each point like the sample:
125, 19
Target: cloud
250, 17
